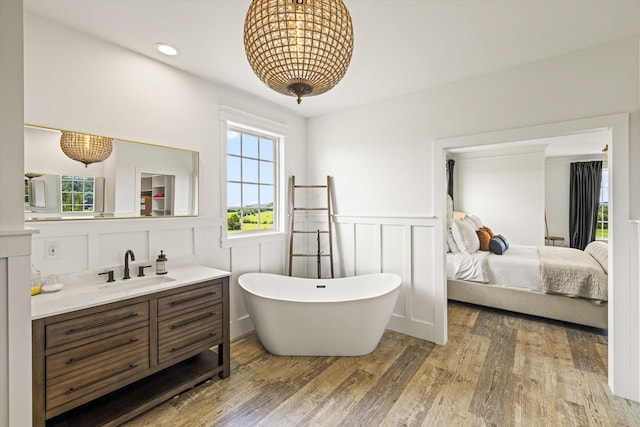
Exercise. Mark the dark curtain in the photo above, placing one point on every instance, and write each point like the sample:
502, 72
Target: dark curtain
450, 164
584, 198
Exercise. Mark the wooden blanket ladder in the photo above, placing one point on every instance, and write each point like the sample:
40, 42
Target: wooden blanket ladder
295, 232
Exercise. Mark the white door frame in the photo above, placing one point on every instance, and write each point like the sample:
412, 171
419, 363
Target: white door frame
624, 321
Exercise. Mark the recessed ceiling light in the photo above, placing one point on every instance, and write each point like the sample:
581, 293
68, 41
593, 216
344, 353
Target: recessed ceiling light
166, 49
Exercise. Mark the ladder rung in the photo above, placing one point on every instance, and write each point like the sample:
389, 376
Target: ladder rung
310, 232
310, 186
310, 209
313, 255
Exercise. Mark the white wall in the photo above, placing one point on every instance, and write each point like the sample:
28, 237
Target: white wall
73, 81
380, 154
505, 191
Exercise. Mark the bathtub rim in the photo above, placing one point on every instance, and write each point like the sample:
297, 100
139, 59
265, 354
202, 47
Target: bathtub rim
310, 280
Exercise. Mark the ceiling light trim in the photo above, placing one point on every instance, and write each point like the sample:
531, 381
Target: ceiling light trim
166, 49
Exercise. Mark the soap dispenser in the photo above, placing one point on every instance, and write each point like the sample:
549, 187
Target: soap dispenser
161, 263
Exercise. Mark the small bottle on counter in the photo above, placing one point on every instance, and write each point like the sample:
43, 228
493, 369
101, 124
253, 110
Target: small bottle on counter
36, 281
161, 263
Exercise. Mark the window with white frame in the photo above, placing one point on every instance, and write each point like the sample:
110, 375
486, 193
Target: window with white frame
252, 180
77, 193
602, 229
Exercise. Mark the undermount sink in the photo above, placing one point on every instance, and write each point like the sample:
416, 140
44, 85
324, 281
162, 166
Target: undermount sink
135, 283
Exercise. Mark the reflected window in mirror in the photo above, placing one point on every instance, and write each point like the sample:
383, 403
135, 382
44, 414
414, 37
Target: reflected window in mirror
77, 193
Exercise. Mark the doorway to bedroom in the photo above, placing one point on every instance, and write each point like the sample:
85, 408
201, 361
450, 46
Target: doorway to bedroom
526, 225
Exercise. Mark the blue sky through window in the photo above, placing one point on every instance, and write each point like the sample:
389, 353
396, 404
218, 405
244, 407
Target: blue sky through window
250, 170
604, 194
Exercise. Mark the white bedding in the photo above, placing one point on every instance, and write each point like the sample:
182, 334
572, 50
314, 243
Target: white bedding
467, 266
518, 267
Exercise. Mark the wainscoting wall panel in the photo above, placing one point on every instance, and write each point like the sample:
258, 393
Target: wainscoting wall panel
73, 253
179, 241
344, 248
367, 248
393, 258
244, 259
272, 256
422, 280
113, 246
402, 245
98, 245
362, 244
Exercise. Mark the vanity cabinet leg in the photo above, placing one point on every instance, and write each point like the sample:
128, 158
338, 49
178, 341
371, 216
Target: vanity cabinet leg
223, 360
224, 351
38, 372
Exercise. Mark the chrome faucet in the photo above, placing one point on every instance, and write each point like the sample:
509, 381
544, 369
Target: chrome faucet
126, 263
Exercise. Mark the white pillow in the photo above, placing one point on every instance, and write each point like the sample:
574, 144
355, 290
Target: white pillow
449, 211
599, 250
465, 236
451, 242
477, 222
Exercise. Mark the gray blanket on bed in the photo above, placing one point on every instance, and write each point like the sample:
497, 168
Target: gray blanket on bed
571, 272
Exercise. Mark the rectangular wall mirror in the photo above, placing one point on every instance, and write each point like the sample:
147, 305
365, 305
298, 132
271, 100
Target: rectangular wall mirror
136, 180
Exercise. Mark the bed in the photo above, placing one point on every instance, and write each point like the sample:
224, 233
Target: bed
558, 283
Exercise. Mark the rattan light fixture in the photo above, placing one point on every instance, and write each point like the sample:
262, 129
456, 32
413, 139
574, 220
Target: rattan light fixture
298, 47
85, 148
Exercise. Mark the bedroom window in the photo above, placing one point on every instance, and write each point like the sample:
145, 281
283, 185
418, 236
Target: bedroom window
251, 181
602, 229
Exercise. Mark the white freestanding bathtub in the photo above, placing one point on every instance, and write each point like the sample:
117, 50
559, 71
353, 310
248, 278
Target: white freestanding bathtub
320, 317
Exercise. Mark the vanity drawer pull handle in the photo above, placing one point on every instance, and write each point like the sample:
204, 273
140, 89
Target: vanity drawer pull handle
188, 322
174, 349
97, 325
186, 300
78, 359
73, 390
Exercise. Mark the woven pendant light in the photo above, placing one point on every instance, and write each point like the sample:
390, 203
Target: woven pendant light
85, 148
298, 47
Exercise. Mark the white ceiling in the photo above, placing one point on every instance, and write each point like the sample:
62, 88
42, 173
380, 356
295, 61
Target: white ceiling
400, 45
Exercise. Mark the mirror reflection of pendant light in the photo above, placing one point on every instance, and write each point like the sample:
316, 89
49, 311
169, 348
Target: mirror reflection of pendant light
85, 148
298, 47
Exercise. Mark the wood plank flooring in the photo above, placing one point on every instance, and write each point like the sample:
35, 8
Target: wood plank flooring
497, 369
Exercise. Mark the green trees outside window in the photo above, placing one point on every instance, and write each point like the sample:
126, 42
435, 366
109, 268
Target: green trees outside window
77, 193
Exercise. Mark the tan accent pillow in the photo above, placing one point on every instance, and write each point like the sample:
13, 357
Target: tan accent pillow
488, 230
484, 237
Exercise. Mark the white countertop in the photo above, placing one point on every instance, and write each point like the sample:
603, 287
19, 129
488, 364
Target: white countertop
94, 291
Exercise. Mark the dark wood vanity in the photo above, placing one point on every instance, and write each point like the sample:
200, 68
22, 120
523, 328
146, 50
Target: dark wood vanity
106, 364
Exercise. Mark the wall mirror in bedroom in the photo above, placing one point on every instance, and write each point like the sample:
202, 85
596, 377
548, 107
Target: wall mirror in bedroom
135, 180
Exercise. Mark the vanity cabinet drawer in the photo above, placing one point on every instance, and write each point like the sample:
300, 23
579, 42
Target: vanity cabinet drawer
170, 305
94, 324
79, 374
93, 356
189, 332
